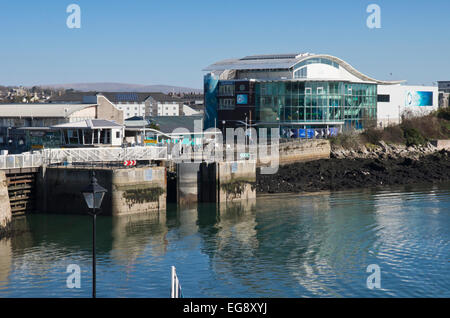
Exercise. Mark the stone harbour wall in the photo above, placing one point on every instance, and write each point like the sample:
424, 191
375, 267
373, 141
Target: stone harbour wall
130, 190
5, 208
304, 150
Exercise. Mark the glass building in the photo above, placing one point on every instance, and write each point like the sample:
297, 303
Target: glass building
302, 94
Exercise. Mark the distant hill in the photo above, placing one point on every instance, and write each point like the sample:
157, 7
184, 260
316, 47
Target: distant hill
123, 87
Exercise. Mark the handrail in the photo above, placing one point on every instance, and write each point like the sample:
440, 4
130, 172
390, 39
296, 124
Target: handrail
55, 156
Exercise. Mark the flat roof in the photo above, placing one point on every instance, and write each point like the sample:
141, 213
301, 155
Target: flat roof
90, 124
41, 110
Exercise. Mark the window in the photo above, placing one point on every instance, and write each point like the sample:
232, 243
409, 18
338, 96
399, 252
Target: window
301, 73
319, 90
317, 60
117, 134
226, 103
226, 90
384, 98
308, 91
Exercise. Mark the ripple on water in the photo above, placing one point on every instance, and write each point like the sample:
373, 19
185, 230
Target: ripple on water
282, 246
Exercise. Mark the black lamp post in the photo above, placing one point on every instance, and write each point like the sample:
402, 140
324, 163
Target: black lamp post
93, 195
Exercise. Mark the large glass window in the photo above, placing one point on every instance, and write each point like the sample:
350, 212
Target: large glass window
325, 101
301, 73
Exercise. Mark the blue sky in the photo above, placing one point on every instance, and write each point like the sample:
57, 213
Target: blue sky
169, 42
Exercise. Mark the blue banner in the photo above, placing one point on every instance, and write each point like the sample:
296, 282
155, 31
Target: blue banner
419, 98
302, 133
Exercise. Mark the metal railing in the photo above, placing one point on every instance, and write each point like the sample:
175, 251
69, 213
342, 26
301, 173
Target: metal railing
79, 155
25, 160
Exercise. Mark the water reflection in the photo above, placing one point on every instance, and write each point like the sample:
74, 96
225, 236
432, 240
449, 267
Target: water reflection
276, 246
411, 222
133, 234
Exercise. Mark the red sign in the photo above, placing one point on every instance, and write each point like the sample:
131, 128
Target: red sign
129, 163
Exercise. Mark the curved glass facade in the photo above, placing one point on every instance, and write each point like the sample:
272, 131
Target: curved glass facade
312, 103
316, 60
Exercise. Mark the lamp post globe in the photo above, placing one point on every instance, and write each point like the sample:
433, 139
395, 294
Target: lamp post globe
93, 195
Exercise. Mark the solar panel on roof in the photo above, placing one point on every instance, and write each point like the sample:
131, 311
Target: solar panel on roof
269, 57
126, 97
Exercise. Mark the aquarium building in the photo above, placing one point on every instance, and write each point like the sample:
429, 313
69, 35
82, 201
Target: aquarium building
302, 94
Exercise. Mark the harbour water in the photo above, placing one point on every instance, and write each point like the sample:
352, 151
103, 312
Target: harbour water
289, 245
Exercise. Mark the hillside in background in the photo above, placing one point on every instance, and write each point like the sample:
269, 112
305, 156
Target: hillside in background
123, 87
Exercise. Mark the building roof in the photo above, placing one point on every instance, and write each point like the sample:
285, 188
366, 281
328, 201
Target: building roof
285, 62
131, 97
136, 121
161, 97
113, 97
71, 97
41, 110
197, 107
126, 97
90, 124
167, 124
253, 62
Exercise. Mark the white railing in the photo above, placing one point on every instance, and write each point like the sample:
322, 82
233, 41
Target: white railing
25, 160
79, 155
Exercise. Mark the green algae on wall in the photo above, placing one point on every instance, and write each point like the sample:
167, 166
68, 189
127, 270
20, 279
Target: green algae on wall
235, 188
145, 195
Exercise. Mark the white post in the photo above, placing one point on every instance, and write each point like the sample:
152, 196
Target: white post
173, 280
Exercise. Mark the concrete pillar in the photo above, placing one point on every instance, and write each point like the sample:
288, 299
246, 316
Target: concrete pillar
227, 181
188, 175
236, 180
41, 189
5, 207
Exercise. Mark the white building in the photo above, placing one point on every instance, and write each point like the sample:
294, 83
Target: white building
131, 104
167, 108
91, 132
396, 100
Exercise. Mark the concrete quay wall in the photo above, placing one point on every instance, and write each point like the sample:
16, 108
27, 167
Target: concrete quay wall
236, 180
441, 144
5, 208
301, 151
216, 181
188, 175
227, 181
129, 190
